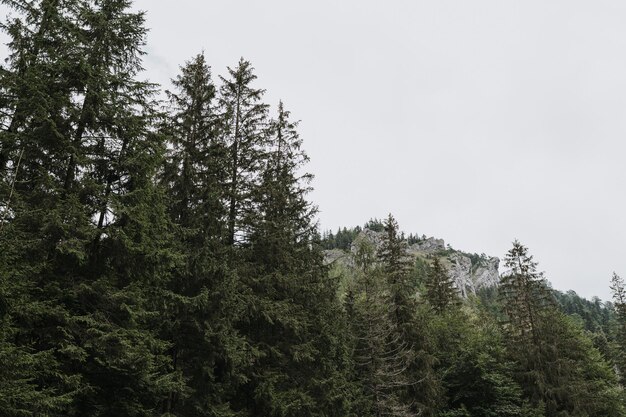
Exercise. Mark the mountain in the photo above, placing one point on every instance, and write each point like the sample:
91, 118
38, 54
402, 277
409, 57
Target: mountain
471, 272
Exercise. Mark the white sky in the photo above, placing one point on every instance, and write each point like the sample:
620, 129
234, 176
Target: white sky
474, 121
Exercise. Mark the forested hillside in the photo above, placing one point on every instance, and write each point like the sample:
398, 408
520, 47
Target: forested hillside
159, 256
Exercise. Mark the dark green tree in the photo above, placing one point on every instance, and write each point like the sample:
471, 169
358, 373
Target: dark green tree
200, 304
396, 266
441, 290
86, 233
619, 303
291, 324
557, 366
243, 118
476, 374
382, 357
35, 97
524, 293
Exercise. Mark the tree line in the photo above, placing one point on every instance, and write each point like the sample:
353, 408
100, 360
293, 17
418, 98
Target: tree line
161, 258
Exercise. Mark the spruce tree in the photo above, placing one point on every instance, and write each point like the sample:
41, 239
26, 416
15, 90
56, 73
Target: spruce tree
36, 95
89, 267
619, 302
381, 356
199, 308
291, 323
409, 323
441, 291
243, 118
524, 293
557, 366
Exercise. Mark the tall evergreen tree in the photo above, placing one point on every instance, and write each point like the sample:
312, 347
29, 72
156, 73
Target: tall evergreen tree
619, 302
557, 365
525, 294
42, 52
423, 392
199, 299
90, 265
382, 357
243, 122
291, 323
36, 94
441, 291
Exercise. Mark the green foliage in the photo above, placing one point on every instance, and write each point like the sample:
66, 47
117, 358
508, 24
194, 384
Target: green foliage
342, 239
477, 376
556, 364
168, 263
594, 314
440, 292
619, 298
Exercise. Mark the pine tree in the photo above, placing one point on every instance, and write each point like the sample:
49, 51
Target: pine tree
91, 264
441, 291
36, 93
619, 302
201, 295
393, 254
363, 254
557, 366
525, 294
382, 356
41, 51
291, 324
476, 374
196, 157
395, 263
243, 121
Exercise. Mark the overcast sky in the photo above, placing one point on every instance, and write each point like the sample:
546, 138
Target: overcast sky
474, 121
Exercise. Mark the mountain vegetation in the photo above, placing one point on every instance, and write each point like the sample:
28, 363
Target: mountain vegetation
159, 256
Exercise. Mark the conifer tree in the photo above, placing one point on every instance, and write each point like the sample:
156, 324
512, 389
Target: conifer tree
441, 291
42, 48
619, 302
193, 130
285, 217
423, 391
525, 294
36, 91
557, 366
243, 121
98, 253
382, 357
364, 254
476, 374
200, 307
291, 324
392, 254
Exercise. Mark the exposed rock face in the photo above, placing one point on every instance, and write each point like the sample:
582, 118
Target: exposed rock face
374, 238
487, 274
429, 245
333, 255
461, 272
469, 276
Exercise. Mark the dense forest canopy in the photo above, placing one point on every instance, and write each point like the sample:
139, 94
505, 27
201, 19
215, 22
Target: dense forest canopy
161, 258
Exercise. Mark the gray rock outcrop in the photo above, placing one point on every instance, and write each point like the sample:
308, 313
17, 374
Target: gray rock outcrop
470, 277
470, 273
428, 245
